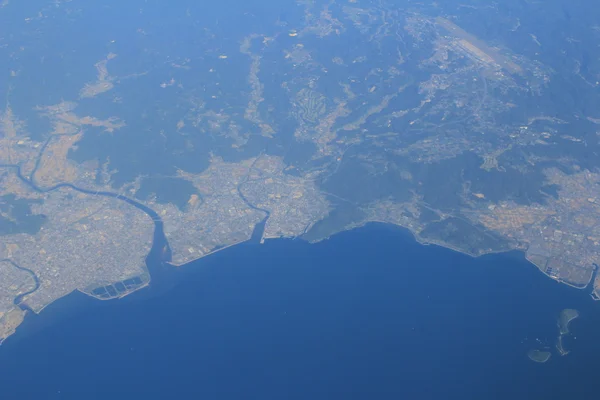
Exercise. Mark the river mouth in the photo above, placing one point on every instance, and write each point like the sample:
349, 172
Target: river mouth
296, 310
114, 290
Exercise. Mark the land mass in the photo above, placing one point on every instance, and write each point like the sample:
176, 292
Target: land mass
457, 136
566, 316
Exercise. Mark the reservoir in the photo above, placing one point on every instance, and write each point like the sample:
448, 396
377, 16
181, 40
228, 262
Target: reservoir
369, 313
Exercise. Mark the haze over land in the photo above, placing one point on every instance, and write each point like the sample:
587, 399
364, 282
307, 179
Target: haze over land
475, 126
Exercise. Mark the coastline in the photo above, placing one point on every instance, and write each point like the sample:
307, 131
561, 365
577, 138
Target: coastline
160, 241
427, 242
377, 277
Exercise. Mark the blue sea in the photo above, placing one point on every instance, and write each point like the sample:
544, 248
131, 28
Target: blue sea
367, 314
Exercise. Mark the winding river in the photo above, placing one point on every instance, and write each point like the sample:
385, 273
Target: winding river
160, 244
19, 298
158, 241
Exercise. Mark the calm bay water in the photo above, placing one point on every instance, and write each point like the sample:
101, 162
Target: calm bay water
367, 314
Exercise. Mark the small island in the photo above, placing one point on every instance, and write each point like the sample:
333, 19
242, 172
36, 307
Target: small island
539, 356
566, 316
